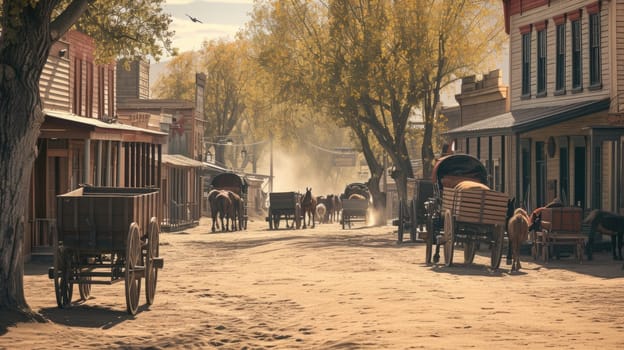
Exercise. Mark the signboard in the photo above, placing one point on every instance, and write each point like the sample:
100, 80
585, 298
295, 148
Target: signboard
344, 159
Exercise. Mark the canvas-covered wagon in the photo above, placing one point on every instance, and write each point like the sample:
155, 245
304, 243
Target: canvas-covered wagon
237, 184
355, 203
107, 235
284, 206
411, 215
465, 210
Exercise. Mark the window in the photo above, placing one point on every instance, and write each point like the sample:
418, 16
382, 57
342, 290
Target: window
541, 63
100, 88
526, 64
77, 95
560, 78
576, 56
89, 91
594, 50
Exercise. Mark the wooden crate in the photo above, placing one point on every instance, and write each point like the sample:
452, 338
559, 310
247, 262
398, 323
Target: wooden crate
475, 205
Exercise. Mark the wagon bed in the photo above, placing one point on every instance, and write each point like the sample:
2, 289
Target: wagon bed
107, 235
284, 205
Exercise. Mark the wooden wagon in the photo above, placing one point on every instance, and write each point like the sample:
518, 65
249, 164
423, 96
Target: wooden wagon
470, 216
284, 205
354, 210
411, 214
238, 184
560, 226
107, 235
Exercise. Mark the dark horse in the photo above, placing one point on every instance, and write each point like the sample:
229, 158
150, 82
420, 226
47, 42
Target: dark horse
308, 207
607, 224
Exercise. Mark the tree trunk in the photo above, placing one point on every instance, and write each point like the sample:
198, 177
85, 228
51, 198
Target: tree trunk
21, 63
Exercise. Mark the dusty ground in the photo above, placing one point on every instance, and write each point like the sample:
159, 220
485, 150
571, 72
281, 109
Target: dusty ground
328, 288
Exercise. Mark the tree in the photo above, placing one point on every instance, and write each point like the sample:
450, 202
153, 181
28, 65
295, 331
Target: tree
372, 63
178, 80
29, 28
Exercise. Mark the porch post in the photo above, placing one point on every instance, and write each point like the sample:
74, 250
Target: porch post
109, 149
98, 163
87, 161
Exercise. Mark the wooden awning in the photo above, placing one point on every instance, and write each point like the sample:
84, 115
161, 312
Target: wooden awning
64, 125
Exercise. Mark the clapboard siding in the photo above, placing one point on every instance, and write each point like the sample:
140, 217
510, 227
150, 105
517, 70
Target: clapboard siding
547, 13
54, 80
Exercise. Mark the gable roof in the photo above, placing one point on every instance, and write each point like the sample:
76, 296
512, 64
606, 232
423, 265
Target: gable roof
527, 119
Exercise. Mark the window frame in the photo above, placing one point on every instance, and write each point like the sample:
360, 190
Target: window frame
595, 69
526, 65
577, 57
541, 63
560, 80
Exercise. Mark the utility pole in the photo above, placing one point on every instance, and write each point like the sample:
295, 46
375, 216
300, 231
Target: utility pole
271, 162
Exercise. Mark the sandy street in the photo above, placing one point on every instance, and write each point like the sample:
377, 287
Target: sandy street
328, 288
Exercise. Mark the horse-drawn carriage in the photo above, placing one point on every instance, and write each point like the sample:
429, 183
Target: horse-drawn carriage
286, 206
355, 201
412, 213
464, 210
236, 184
106, 235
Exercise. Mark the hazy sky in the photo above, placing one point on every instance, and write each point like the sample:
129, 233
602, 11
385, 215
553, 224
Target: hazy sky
221, 18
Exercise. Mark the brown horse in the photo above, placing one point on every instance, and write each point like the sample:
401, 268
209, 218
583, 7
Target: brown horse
308, 207
221, 206
518, 232
606, 223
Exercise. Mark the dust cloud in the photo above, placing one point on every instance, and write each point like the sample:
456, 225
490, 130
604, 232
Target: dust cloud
296, 170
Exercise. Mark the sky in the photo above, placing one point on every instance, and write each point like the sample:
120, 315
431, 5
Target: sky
221, 19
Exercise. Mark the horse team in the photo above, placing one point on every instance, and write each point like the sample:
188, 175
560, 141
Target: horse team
227, 206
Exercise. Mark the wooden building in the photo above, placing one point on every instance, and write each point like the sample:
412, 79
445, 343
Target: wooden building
182, 121
81, 142
563, 135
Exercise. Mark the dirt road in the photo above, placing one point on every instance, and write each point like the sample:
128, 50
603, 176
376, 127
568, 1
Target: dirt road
328, 288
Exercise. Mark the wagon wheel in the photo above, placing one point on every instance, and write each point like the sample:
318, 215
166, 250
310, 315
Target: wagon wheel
134, 269
449, 237
63, 289
497, 246
297, 216
401, 228
413, 220
151, 270
470, 248
429, 240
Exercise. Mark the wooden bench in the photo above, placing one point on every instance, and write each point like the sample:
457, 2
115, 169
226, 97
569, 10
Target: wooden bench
560, 227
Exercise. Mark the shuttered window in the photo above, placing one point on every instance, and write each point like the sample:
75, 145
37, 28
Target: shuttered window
541, 63
560, 77
576, 56
594, 50
526, 64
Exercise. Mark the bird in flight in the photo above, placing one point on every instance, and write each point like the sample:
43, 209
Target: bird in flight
194, 19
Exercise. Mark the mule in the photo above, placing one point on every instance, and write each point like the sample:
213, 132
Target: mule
605, 223
308, 208
517, 232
